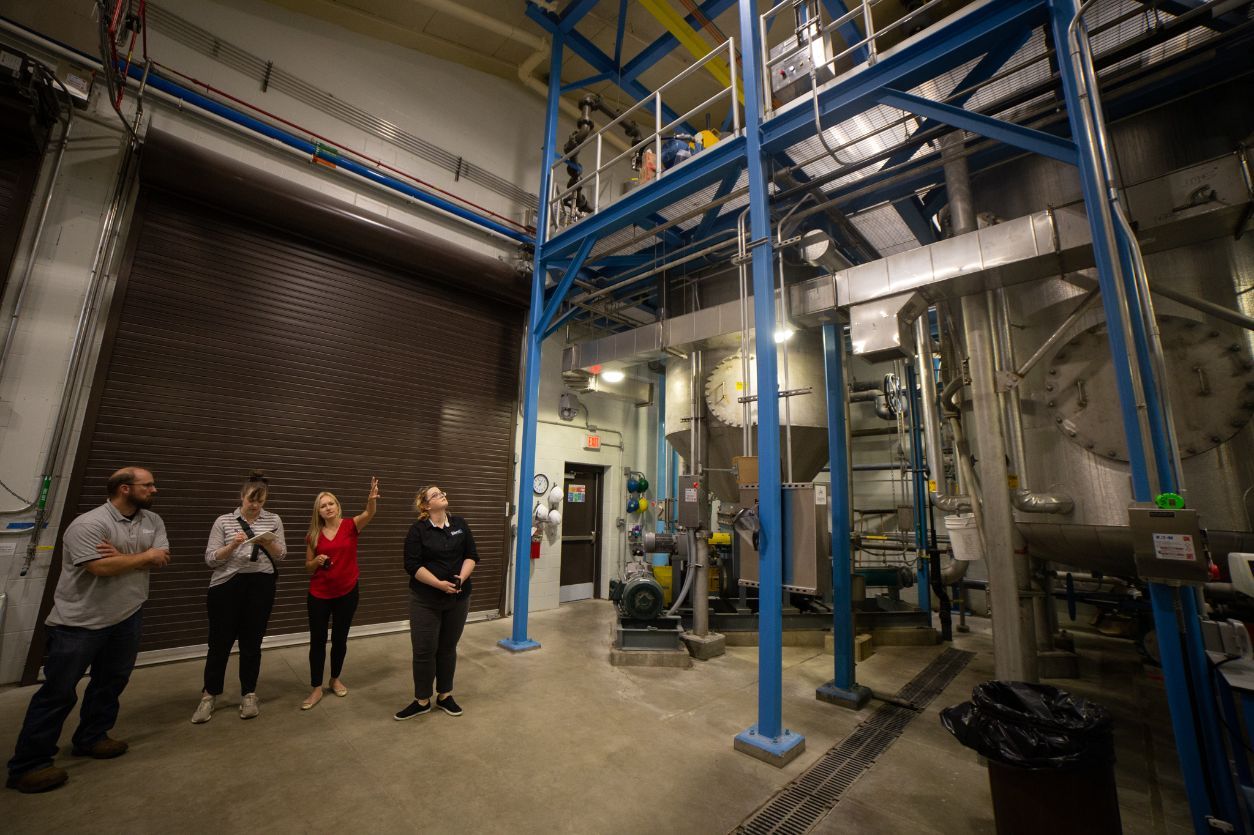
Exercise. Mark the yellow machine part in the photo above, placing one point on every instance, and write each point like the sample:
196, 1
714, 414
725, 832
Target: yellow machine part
707, 138
723, 538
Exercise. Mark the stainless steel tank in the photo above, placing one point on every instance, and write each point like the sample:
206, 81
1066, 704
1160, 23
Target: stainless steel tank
723, 386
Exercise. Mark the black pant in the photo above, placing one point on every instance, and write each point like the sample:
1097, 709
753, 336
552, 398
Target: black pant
239, 610
435, 627
110, 652
338, 611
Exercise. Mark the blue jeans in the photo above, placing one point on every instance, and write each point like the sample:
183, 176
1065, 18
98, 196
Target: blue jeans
110, 653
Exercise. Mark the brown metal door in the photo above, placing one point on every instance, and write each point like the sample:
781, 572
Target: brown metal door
581, 540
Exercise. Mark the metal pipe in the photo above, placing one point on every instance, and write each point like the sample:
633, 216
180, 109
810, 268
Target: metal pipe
932, 443
1225, 314
701, 595
785, 329
746, 407
1014, 638
1061, 331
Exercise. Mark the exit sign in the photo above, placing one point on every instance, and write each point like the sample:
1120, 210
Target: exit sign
592, 442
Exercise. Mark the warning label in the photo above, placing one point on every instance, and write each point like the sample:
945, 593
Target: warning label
1174, 546
820, 494
690, 494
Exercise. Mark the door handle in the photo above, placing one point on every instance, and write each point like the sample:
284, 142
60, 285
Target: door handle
578, 539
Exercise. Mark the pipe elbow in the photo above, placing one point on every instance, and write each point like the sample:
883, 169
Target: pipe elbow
954, 571
951, 504
1029, 502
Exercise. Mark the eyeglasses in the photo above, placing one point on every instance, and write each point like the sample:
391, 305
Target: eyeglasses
142, 483
438, 495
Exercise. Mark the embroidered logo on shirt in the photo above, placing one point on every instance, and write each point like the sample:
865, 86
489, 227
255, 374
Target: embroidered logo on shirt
454, 533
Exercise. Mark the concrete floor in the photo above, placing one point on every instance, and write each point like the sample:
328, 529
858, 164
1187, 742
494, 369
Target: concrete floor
552, 741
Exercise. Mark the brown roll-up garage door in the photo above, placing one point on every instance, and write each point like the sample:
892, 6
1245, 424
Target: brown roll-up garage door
235, 345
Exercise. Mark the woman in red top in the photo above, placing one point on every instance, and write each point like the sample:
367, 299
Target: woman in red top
331, 557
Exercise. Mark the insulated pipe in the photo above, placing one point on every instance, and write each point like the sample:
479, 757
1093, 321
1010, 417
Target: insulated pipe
1014, 638
698, 548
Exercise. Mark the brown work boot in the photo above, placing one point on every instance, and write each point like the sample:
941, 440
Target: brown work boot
40, 780
104, 749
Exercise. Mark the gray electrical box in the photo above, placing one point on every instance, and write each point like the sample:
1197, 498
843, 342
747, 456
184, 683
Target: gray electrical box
694, 502
807, 561
790, 75
1167, 544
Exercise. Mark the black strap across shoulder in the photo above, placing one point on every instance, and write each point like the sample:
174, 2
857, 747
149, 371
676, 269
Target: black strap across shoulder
248, 531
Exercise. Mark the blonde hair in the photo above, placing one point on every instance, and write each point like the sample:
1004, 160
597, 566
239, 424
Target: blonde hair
315, 524
420, 501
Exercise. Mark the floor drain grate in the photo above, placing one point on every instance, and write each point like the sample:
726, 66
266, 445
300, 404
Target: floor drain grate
803, 802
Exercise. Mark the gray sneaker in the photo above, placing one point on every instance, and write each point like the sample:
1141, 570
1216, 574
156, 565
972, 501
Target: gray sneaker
204, 711
248, 708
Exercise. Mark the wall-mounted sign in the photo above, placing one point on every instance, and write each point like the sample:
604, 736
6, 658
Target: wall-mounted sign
592, 442
576, 493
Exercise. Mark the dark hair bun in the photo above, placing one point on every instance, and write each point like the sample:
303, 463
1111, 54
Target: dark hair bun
258, 475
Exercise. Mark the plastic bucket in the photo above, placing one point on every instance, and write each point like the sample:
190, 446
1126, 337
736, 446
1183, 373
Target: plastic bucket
964, 536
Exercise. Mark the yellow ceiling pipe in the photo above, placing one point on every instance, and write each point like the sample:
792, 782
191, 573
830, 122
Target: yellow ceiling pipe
690, 40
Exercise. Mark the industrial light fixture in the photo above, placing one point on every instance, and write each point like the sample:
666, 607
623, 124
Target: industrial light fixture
613, 375
783, 334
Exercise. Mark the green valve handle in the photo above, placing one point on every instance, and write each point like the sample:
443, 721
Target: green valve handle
43, 492
1170, 501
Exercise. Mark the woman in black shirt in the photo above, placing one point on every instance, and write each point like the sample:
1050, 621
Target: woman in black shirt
440, 556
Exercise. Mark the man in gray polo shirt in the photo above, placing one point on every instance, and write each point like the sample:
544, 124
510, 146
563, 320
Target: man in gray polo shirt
95, 622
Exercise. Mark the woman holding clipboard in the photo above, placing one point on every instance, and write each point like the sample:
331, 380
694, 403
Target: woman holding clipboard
243, 548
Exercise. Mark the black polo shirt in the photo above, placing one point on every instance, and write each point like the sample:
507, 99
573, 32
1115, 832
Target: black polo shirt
441, 551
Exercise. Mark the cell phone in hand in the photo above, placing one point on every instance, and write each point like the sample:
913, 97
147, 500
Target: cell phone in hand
456, 581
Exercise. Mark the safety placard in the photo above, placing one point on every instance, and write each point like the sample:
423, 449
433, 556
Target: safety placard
820, 494
576, 493
1174, 546
690, 494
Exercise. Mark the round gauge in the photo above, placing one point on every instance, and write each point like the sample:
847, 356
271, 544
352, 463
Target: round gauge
540, 484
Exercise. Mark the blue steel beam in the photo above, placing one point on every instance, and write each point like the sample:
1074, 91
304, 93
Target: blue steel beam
564, 285
915, 214
965, 35
703, 169
600, 62
573, 13
1186, 680
518, 640
661, 47
618, 34
843, 689
850, 33
1029, 139
920, 486
768, 737
586, 82
724, 188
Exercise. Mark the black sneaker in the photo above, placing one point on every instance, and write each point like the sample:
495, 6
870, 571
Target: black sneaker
449, 706
411, 710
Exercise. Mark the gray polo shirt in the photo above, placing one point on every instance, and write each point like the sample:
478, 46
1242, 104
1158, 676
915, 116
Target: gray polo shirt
82, 599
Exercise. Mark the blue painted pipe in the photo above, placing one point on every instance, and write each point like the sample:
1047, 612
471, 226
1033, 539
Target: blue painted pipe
842, 517
257, 126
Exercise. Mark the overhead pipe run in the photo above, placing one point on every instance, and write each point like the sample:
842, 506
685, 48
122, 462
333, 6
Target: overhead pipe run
326, 155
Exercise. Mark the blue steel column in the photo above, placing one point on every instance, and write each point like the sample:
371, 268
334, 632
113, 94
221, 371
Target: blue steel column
919, 480
768, 739
1174, 616
843, 689
518, 640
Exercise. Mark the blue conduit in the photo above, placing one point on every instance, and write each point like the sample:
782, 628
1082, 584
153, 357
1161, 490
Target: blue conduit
316, 151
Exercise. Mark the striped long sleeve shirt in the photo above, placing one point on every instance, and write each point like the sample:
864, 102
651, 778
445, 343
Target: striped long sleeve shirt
225, 527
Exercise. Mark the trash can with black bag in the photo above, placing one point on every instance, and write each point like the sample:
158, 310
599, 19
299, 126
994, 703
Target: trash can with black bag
1051, 757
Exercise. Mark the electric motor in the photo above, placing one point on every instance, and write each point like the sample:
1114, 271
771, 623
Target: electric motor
638, 594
